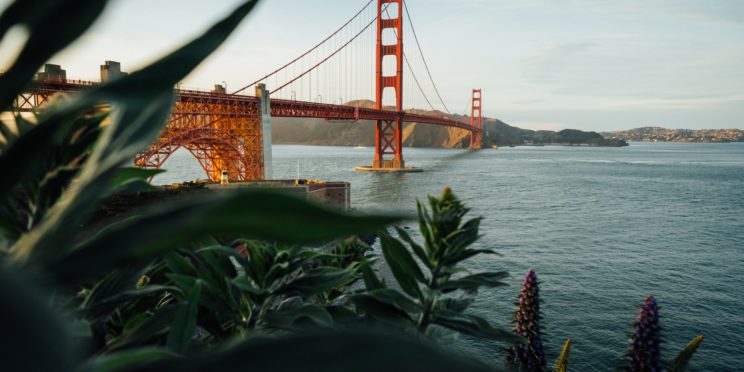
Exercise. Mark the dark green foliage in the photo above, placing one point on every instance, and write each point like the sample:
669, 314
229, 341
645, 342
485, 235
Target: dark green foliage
220, 293
29, 327
439, 294
164, 227
357, 350
52, 156
184, 322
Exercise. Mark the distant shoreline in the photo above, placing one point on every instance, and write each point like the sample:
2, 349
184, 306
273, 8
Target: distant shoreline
708, 142
658, 134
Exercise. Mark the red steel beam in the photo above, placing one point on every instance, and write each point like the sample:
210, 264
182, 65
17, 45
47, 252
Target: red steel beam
279, 108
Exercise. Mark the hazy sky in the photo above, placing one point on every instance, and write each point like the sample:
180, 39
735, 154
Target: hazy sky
547, 64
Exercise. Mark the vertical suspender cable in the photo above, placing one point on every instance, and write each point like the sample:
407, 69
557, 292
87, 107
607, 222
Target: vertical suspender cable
426, 65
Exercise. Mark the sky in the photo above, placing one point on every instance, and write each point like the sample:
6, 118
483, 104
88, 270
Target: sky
542, 64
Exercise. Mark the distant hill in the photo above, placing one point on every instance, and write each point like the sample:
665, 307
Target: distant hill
658, 134
361, 133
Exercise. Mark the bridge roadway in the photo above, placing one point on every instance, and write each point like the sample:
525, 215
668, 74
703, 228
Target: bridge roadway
279, 108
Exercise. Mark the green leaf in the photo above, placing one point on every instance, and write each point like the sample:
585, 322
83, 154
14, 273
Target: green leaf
317, 281
178, 264
184, 282
33, 337
135, 321
417, 249
466, 254
52, 187
256, 213
287, 317
395, 298
129, 360
131, 173
129, 180
473, 326
214, 267
155, 326
105, 306
457, 305
111, 285
387, 313
244, 284
424, 220
682, 361
52, 238
25, 158
466, 235
359, 351
371, 281
475, 281
401, 263
184, 324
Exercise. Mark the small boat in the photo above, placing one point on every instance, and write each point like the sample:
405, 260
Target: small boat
360, 147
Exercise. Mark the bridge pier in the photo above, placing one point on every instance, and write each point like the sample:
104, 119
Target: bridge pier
389, 141
264, 112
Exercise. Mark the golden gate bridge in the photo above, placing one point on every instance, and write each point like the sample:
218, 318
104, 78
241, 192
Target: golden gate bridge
230, 133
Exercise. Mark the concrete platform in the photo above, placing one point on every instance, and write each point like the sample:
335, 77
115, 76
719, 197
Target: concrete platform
388, 170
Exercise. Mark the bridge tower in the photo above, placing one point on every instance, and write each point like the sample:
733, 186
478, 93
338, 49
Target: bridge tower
476, 120
389, 133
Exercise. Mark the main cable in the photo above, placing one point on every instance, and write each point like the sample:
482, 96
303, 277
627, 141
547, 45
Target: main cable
410, 21
405, 58
330, 56
306, 53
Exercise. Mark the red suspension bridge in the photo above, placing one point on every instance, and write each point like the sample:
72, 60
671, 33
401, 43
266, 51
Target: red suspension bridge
231, 132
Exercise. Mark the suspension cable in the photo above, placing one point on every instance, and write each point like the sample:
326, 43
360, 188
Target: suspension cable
413, 74
410, 21
417, 83
306, 53
465, 111
329, 57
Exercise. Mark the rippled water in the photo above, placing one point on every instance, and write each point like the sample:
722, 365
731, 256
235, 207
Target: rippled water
603, 227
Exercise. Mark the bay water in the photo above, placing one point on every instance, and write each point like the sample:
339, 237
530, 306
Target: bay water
603, 228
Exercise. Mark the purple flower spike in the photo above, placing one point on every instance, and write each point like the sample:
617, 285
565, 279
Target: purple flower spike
645, 345
528, 357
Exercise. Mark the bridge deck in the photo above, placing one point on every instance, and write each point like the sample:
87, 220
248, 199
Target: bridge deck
279, 108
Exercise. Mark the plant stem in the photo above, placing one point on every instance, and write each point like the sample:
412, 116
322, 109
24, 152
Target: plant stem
424, 320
